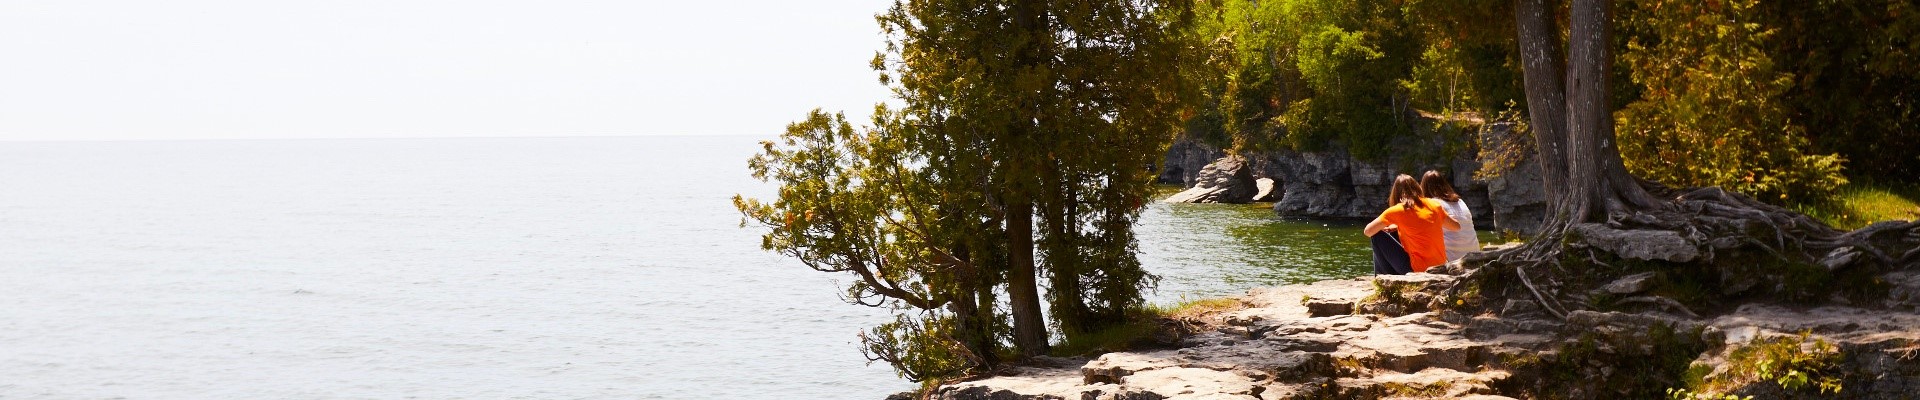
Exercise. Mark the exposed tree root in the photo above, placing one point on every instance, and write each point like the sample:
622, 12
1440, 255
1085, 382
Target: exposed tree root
1736, 245
1545, 302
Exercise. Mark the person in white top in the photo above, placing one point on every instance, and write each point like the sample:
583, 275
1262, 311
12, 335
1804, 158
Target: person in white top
1462, 241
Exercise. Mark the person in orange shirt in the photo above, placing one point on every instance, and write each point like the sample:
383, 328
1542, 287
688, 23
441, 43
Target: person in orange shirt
1412, 224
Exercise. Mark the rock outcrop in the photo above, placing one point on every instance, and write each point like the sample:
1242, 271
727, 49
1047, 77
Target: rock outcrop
1518, 199
1334, 184
1291, 342
1227, 180
1185, 159
1453, 335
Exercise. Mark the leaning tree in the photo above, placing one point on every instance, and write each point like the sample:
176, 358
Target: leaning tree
1601, 216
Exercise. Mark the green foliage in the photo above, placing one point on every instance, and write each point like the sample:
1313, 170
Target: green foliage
1684, 394
1504, 144
859, 202
1015, 117
1855, 64
1305, 74
1417, 390
1771, 99
1711, 111
1384, 293
918, 347
1197, 307
1798, 364
1137, 331
1466, 63
1638, 365
1142, 327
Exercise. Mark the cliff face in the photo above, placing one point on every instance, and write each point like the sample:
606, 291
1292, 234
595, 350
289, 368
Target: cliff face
1334, 184
1185, 159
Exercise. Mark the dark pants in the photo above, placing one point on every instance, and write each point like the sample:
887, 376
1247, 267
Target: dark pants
1389, 257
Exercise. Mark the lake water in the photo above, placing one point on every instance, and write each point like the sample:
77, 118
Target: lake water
537, 268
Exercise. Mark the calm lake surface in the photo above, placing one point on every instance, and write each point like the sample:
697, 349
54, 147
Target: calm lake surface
538, 268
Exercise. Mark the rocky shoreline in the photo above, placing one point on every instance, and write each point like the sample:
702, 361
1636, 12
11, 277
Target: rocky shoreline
1436, 336
1334, 184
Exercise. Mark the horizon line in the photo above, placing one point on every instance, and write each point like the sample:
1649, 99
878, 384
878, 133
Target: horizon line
195, 139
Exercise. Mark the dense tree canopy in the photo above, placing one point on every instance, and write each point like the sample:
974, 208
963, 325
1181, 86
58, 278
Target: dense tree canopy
1854, 67
1771, 99
1712, 110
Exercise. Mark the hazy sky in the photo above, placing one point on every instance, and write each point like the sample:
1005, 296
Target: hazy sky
189, 69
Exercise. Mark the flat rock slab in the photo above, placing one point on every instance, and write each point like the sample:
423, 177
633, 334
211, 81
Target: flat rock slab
1639, 244
1279, 348
1835, 322
1631, 284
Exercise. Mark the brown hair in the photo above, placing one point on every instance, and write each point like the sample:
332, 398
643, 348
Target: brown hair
1436, 186
1406, 192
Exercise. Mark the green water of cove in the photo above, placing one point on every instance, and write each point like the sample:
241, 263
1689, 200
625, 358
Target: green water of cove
1211, 250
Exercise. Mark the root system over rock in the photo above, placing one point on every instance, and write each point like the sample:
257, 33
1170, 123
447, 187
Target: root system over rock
1708, 250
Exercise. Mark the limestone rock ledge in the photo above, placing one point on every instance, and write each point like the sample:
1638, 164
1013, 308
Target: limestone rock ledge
1396, 337
1292, 342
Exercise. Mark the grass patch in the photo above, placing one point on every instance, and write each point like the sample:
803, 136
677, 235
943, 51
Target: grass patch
1119, 338
1197, 308
1431, 390
1858, 204
1142, 329
1348, 367
1384, 293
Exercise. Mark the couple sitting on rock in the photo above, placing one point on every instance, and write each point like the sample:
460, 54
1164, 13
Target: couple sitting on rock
1425, 225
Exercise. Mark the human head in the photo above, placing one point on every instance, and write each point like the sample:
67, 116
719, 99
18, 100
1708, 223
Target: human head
1435, 185
1406, 191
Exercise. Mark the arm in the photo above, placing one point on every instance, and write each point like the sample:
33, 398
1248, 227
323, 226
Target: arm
1447, 222
1375, 226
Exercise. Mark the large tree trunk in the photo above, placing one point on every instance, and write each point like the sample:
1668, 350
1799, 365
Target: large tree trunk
1572, 119
1029, 328
1587, 110
1546, 97
1598, 180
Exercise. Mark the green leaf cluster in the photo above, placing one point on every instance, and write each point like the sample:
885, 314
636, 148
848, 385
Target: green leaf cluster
1801, 365
1711, 111
1358, 74
871, 204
